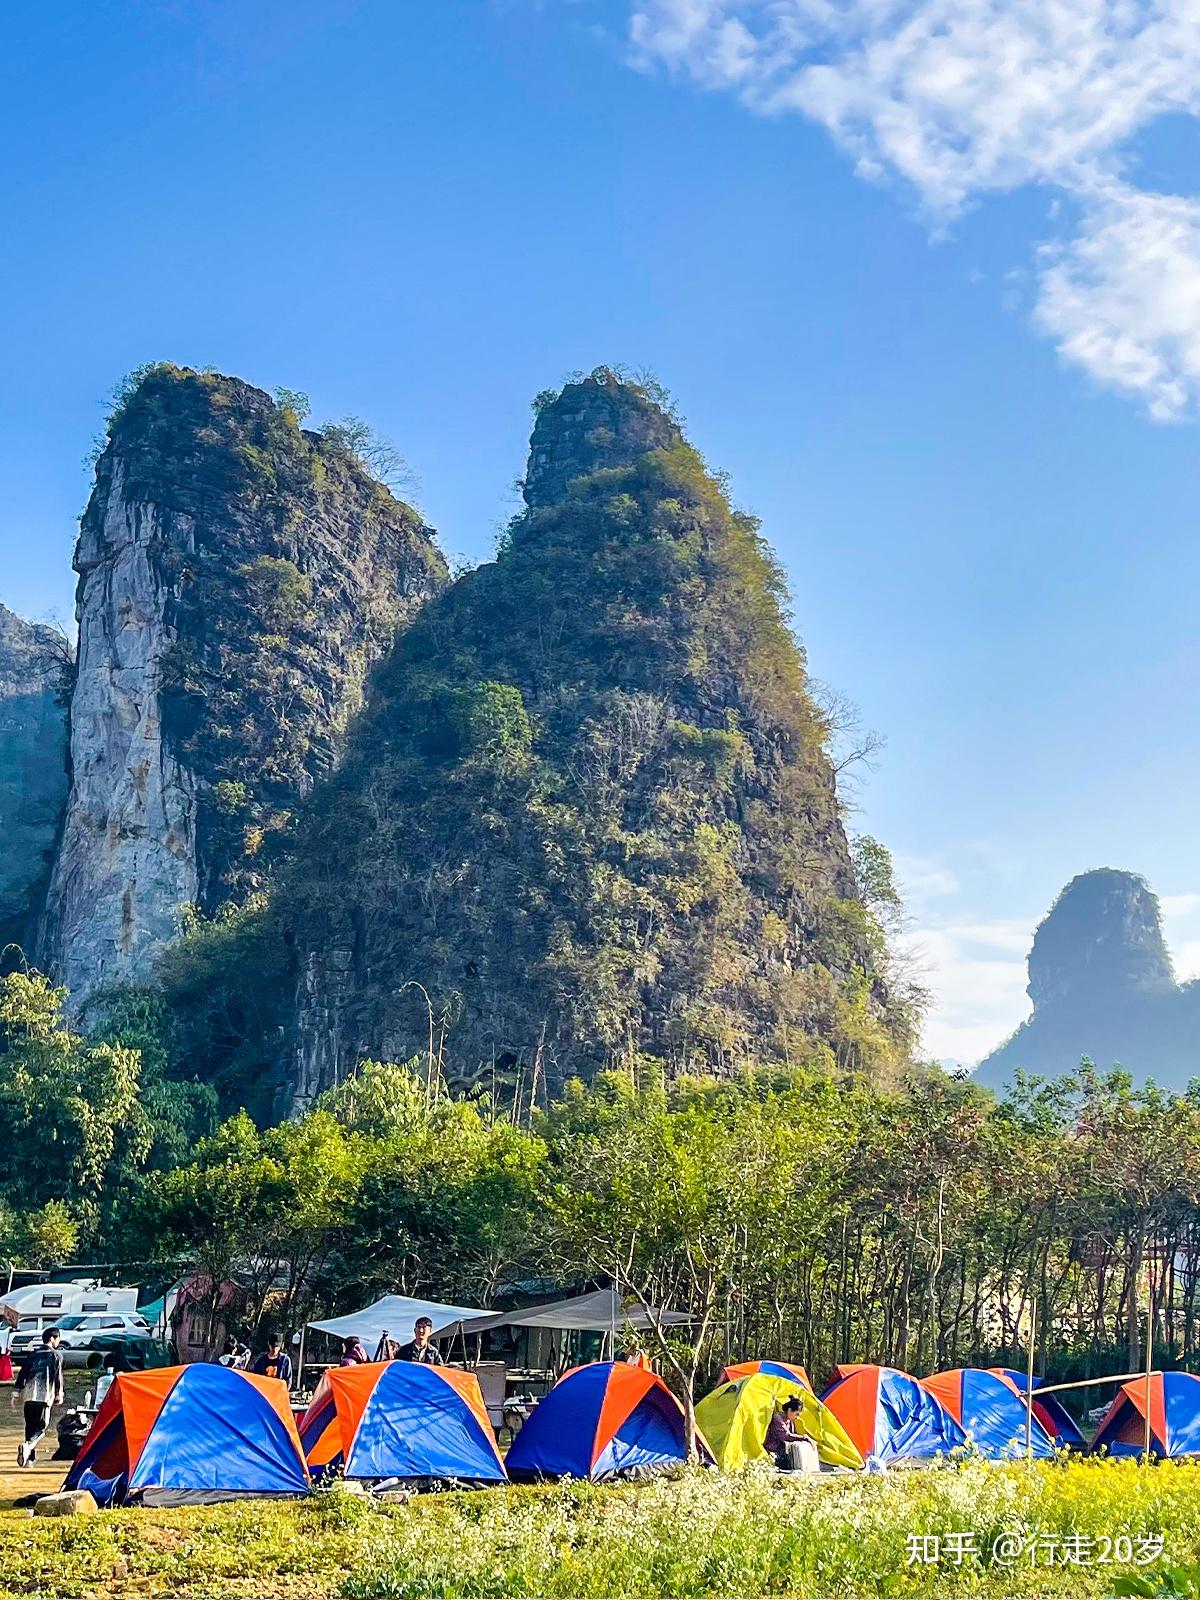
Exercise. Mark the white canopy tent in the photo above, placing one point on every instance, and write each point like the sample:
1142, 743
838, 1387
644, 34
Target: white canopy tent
395, 1315
601, 1311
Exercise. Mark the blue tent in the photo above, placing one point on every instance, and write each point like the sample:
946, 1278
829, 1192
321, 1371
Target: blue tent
890, 1417
1048, 1409
196, 1432
604, 1420
991, 1412
400, 1419
1174, 1411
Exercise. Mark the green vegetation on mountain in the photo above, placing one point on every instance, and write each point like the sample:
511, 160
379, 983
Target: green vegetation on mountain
589, 809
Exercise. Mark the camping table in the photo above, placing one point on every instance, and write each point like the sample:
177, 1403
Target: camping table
532, 1385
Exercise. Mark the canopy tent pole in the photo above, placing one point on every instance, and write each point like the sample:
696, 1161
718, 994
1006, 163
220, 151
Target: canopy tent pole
1029, 1379
1149, 1364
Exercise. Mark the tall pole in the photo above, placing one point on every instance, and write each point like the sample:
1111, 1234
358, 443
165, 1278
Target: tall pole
1029, 1378
1149, 1361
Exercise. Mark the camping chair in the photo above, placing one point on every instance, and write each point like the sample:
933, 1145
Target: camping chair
503, 1412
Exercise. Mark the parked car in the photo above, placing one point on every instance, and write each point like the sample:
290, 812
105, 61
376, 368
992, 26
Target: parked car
78, 1331
134, 1353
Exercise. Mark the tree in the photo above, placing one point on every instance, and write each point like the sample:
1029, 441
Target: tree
69, 1110
648, 1195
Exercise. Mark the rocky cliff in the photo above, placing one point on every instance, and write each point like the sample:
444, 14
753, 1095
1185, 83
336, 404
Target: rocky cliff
588, 813
237, 577
1102, 986
33, 769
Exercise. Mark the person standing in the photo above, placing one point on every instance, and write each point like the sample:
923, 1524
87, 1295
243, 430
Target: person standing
354, 1352
273, 1362
40, 1385
421, 1346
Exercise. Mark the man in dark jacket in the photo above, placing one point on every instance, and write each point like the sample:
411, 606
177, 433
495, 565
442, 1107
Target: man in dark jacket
421, 1346
40, 1385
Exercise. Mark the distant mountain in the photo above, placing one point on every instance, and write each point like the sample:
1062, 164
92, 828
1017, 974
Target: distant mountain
1102, 985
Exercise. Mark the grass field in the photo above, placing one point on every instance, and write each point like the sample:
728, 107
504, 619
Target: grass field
701, 1534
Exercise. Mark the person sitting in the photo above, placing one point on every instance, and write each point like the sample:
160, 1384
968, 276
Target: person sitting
781, 1433
354, 1353
421, 1346
273, 1362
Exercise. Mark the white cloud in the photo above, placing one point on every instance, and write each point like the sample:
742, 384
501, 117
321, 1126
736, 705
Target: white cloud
1178, 905
1122, 298
976, 971
964, 97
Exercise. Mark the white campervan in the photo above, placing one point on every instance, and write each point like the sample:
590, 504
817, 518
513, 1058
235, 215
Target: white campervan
42, 1305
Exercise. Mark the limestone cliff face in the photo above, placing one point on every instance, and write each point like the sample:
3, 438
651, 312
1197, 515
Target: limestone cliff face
1102, 986
588, 810
33, 769
237, 576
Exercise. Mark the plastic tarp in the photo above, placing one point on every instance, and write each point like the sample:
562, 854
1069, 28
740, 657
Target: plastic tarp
734, 1418
198, 1429
601, 1311
400, 1419
1174, 1417
1048, 1409
890, 1417
991, 1413
396, 1315
603, 1420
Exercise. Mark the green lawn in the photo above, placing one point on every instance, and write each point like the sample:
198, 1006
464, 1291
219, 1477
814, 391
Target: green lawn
701, 1535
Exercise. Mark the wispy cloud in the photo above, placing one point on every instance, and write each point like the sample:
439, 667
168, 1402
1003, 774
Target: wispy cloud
960, 98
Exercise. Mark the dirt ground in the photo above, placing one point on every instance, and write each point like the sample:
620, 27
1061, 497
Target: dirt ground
45, 1475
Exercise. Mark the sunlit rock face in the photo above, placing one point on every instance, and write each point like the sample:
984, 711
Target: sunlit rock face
1102, 986
238, 576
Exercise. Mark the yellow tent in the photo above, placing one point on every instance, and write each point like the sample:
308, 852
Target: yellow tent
734, 1420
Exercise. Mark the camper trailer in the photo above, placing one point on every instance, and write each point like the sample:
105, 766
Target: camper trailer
37, 1306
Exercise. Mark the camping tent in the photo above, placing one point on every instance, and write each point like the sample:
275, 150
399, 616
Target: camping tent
395, 1315
1048, 1409
890, 1417
773, 1369
734, 1418
991, 1412
190, 1433
1174, 1417
603, 1420
600, 1311
400, 1419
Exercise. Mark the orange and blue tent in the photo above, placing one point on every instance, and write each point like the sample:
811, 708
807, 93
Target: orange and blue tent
196, 1432
603, 1420
400, 1419
770, 1369
990, 1411
889, 1416
1174, 1407
1048, 1409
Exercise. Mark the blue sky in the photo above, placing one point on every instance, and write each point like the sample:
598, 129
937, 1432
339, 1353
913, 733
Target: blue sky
939, 320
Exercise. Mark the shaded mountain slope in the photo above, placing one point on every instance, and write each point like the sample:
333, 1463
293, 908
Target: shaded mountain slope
589, 808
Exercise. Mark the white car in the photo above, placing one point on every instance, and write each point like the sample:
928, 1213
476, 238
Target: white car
78, 1330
